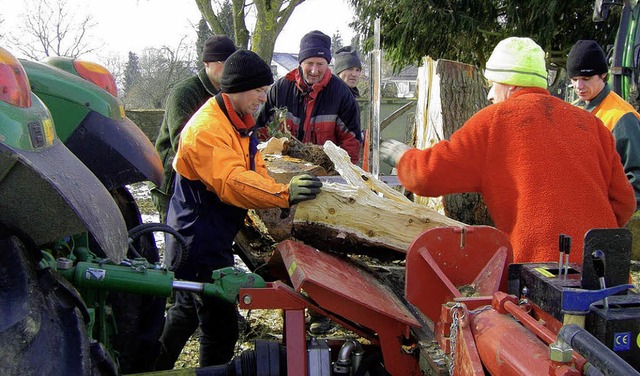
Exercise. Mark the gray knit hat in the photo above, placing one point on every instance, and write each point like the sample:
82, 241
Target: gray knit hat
244, 70
217, 48
345, 58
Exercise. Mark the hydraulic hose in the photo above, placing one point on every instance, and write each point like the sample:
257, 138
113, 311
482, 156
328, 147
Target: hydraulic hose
599, 355
137, 231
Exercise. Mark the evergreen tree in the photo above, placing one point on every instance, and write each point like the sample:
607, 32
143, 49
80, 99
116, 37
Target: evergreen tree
203, 33
468, 30
132, 72
336, 41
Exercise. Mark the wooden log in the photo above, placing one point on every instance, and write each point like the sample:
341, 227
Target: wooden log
362, 215
282, 167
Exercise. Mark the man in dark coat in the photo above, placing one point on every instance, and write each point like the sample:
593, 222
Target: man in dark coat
183, 101
220, 176
348, 67
319, 106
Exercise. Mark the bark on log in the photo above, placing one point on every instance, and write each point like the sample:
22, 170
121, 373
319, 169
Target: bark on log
363, 215
451, 93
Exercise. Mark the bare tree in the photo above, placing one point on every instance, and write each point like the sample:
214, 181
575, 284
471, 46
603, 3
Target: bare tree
160, 69
271, 16
51, 28
115, 64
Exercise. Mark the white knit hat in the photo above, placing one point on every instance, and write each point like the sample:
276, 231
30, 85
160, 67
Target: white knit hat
518, 62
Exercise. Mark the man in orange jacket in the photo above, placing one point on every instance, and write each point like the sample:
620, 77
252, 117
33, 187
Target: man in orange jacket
543, 166
588, 70
220, 175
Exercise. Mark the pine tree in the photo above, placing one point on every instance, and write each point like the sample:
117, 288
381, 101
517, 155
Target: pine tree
336, 41
203, 33
132, 72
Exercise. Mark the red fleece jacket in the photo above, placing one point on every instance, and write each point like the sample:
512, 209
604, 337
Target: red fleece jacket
544, 168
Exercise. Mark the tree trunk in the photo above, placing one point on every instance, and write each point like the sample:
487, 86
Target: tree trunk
450, 93
363, 214
355, 213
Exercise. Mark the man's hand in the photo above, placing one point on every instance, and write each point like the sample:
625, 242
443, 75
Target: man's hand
391, 151
303, 187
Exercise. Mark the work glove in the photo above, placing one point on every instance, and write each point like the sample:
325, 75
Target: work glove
391, 151
303, 187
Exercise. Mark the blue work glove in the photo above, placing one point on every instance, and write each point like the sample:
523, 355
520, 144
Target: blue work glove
303, 187
391, 151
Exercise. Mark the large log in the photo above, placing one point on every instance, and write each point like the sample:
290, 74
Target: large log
363, 214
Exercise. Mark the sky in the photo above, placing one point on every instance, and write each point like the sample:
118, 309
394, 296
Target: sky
132, 25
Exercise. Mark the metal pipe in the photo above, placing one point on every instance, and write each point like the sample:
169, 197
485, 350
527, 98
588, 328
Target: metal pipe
599, 355
541, 331
344, 355
188, 286
376, 94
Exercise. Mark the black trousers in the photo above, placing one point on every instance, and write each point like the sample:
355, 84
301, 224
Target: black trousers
218, 322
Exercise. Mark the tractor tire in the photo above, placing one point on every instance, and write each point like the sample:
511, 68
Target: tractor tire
42, 319
139, 319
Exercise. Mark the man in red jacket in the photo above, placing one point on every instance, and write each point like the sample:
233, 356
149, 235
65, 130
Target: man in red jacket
543, 166
319, 106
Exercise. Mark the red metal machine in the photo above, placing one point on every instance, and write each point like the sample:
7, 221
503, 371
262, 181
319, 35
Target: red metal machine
434, 328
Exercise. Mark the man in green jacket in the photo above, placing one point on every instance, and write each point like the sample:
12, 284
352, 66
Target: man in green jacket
588, 70
587, 67
183, 101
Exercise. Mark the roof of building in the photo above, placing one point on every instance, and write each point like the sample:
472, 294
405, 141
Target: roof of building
287, 60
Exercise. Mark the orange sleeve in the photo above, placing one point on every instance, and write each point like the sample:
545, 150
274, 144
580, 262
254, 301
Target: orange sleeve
212, 152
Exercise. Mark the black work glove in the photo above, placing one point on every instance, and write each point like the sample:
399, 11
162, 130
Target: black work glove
303, 187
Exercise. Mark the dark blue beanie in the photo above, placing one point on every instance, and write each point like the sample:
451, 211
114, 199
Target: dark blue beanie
315, 44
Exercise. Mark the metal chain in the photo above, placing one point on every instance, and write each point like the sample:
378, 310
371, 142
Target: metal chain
453, 334
481, 309
453, 329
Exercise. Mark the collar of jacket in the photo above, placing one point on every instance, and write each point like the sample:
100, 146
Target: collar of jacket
595, 102
529, 90
244, 126
297, 77
206, 82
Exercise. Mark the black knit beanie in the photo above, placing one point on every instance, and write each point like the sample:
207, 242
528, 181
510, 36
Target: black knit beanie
244, 70
346, 58
315, 44
217, 48
586, 58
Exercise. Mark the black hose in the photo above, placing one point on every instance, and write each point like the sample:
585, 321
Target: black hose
594, 351
372, 365
141, 229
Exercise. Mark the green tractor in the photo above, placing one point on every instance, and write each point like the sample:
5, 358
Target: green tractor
92, 124
49, 200
82, 292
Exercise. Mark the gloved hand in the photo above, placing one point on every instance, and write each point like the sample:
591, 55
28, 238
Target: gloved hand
303, 187
391, 151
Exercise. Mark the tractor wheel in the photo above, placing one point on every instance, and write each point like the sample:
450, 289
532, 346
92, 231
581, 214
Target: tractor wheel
43, 318
139, 318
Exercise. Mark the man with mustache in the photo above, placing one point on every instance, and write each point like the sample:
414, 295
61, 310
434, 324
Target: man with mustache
319, 106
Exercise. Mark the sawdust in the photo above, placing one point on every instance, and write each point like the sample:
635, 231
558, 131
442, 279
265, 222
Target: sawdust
468, 291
